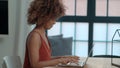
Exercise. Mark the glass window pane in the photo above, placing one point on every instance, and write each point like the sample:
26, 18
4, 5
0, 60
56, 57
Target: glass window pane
81, 31
81, 8
70, 7
68, 29
81, 49
99, 48
73, 48
114, 7
101, 7
116, 48
99, 32
55, 30
109, 48
112, 27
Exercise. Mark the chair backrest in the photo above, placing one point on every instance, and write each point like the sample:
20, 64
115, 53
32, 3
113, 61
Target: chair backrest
12, 62
60, 45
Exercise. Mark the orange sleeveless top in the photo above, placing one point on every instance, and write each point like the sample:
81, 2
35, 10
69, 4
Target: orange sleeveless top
44, 54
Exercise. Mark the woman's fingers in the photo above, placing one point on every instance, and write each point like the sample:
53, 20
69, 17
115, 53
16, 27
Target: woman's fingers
70, 59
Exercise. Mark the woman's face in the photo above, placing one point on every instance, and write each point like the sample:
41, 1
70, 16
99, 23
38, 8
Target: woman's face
49, 24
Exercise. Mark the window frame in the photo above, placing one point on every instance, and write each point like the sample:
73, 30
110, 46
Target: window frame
91, 19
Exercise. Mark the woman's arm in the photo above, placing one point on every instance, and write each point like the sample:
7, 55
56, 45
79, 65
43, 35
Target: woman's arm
33, 44
74, 57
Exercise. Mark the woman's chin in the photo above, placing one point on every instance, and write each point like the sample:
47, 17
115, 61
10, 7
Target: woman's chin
49, 28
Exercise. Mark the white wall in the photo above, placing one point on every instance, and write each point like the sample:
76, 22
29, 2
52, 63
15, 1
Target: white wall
14, 44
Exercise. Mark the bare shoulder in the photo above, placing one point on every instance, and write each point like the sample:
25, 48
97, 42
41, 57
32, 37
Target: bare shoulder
33, 40
34, 36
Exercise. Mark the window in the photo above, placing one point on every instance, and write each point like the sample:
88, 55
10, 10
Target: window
88, 22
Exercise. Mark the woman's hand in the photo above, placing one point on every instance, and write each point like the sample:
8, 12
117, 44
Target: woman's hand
69, 59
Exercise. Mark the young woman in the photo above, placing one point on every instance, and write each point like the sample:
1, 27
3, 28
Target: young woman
43, 13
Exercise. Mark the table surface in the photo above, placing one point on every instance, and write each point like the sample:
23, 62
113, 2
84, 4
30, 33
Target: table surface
95, 63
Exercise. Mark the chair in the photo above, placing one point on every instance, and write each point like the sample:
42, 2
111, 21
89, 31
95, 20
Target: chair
11, 62
60, 45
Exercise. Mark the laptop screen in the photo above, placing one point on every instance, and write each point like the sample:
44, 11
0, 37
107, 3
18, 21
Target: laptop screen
83, 63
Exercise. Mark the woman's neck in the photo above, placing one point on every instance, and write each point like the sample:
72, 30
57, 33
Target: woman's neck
40, 29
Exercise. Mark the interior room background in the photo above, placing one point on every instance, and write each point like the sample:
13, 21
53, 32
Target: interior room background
87, 21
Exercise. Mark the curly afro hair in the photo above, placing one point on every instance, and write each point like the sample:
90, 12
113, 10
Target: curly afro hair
45, 10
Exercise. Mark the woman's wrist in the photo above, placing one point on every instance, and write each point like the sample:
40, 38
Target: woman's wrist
60, 60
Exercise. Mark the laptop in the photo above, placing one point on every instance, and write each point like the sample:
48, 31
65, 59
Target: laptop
81, 64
